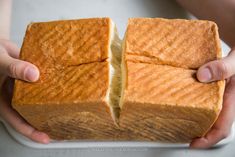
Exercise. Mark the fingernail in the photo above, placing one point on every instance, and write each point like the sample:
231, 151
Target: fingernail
32, 74
204, 75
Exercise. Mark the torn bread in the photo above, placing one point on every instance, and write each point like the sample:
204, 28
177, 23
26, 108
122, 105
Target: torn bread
73, 98
161, 97
83, 74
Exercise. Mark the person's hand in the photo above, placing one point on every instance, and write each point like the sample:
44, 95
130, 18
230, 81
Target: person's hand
11, 66
212, 71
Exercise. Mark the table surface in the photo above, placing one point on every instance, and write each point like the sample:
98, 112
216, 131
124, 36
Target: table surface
26, 11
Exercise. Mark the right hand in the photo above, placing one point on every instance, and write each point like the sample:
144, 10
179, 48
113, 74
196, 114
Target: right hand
213, 71
11, 66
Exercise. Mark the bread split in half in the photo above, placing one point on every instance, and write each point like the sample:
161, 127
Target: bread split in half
93, 88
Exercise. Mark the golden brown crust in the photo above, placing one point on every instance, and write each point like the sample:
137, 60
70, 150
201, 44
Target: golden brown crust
170, 86
69, 99
161, 94
166, 101
180, 43
66, 43
73, 84
165, 123
84, 120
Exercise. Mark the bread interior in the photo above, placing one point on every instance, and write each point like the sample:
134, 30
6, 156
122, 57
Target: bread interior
115, 50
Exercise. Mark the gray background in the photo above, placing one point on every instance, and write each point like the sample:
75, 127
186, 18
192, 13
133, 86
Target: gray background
26, 11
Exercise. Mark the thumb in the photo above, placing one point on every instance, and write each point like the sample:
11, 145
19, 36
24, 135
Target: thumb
18, 69
217, 70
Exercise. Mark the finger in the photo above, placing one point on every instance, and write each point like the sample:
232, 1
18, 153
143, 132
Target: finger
11, 48
217, 70
222, 126
18, 69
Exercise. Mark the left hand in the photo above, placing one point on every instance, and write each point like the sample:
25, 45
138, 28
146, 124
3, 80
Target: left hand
213, 71
11, 66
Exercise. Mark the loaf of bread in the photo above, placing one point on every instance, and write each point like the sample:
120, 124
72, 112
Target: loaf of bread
92, 88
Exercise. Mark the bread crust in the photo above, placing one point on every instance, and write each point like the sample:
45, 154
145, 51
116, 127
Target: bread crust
162, 95
69, 100
177, 42
166, 101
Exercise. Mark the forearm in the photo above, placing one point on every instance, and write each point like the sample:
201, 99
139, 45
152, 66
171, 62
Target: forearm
5, 18
222, 12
